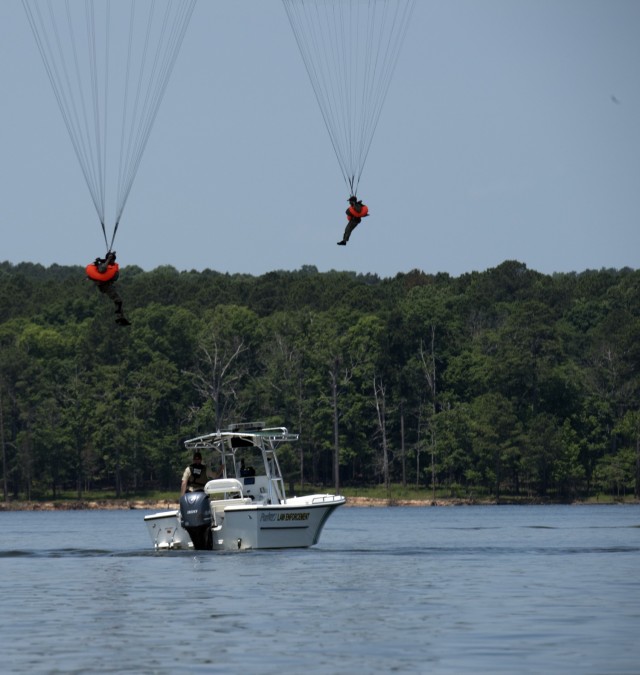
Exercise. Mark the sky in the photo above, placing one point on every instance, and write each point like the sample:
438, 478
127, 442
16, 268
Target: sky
511, 131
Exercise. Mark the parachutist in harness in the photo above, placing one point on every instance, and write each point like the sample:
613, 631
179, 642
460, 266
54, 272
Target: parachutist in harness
355, 213
104, 272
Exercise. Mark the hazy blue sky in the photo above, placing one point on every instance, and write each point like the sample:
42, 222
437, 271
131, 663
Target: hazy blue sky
511, 131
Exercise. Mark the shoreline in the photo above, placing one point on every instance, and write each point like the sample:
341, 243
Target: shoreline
355, 502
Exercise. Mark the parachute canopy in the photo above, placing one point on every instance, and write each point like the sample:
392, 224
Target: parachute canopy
350, 49
109, 63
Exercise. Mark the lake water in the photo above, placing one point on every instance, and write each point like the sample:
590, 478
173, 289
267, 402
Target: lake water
482, 589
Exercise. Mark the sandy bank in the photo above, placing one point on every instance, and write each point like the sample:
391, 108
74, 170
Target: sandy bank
81, 505
124, 504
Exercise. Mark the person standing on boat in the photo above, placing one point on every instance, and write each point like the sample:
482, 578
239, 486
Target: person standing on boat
196, 476
246, 470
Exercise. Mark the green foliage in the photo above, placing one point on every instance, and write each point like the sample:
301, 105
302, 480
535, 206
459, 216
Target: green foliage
501, 383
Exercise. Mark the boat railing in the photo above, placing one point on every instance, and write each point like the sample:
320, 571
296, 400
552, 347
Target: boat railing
322, 499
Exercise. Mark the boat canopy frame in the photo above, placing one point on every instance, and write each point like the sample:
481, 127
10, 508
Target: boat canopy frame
248, 431
227, 442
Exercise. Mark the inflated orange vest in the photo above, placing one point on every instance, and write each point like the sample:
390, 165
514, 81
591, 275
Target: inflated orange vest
354, 214
96, 275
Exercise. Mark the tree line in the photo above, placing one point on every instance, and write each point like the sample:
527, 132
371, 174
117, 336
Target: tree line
502, 382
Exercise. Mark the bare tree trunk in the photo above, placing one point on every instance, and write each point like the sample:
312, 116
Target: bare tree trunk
403, 454
28, 464
418, 447
380, 398
637, 481
118, 475
336, 436
79, 476
300, 431
5, 485
429, 365
217, 374
433, 467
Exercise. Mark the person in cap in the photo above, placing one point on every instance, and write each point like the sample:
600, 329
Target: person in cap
196, 476
355, 213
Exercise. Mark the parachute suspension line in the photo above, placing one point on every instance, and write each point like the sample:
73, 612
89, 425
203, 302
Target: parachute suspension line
100, 129
311, 34
350, 49
63, 91
353, 185
172, 35
79, 43
125, 156
380, 68
124, 112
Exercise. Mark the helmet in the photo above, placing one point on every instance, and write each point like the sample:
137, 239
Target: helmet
110, 254
353, 199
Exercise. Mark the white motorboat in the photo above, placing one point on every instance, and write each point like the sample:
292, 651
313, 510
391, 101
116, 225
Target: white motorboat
247, 508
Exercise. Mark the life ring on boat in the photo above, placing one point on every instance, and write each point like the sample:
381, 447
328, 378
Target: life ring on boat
96, 275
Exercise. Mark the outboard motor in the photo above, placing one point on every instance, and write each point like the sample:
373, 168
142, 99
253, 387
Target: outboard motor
195, 517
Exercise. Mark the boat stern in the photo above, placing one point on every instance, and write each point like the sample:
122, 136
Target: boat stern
166, 532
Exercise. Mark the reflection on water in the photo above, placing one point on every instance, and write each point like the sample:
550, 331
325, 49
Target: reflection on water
414, 590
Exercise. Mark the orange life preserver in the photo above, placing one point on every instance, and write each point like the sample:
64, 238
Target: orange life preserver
355, 214
96, 275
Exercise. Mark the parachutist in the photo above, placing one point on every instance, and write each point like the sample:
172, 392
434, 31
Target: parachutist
104, 272
355, 213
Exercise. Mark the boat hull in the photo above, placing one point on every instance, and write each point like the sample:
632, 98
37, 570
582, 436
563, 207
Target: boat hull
296, 523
